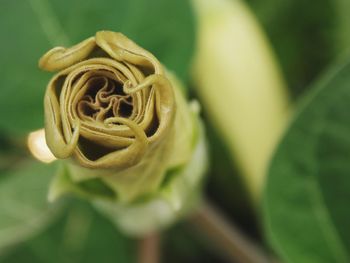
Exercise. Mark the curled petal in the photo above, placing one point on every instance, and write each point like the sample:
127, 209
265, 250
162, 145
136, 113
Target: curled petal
164, 98
60, 58
53, 131
121, 48
125, 157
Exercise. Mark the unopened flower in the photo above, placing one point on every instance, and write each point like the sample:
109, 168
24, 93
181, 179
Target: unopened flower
122, 122
240, 85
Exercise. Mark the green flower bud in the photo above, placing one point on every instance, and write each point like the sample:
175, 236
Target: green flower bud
128, 135
240, 85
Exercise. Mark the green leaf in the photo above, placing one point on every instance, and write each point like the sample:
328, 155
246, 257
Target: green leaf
83, 236
30, 28
303, 35
80, 235
24, 209
342, 21
306, 201
224, 183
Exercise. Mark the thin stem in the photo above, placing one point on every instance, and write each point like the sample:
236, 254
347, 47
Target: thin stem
149, 249
226, 236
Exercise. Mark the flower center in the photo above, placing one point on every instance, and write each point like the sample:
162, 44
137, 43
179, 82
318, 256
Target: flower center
104, 98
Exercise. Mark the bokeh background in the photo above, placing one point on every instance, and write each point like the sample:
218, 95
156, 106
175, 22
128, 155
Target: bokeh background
306, 37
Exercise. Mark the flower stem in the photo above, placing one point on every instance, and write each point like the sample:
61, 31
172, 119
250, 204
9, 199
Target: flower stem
149, 249
226, 236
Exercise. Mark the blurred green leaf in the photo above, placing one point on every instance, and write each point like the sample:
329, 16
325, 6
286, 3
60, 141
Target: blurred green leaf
30, 28
306, 201
343, 19
303, 35
24, 209
11, 152
224, 183
80, 235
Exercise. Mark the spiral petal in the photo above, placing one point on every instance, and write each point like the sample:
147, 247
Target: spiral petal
60, 58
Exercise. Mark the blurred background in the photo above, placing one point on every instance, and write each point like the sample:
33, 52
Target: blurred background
305, 38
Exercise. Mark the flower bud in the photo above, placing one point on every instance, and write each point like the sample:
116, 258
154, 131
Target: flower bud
239, 84
126, 130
